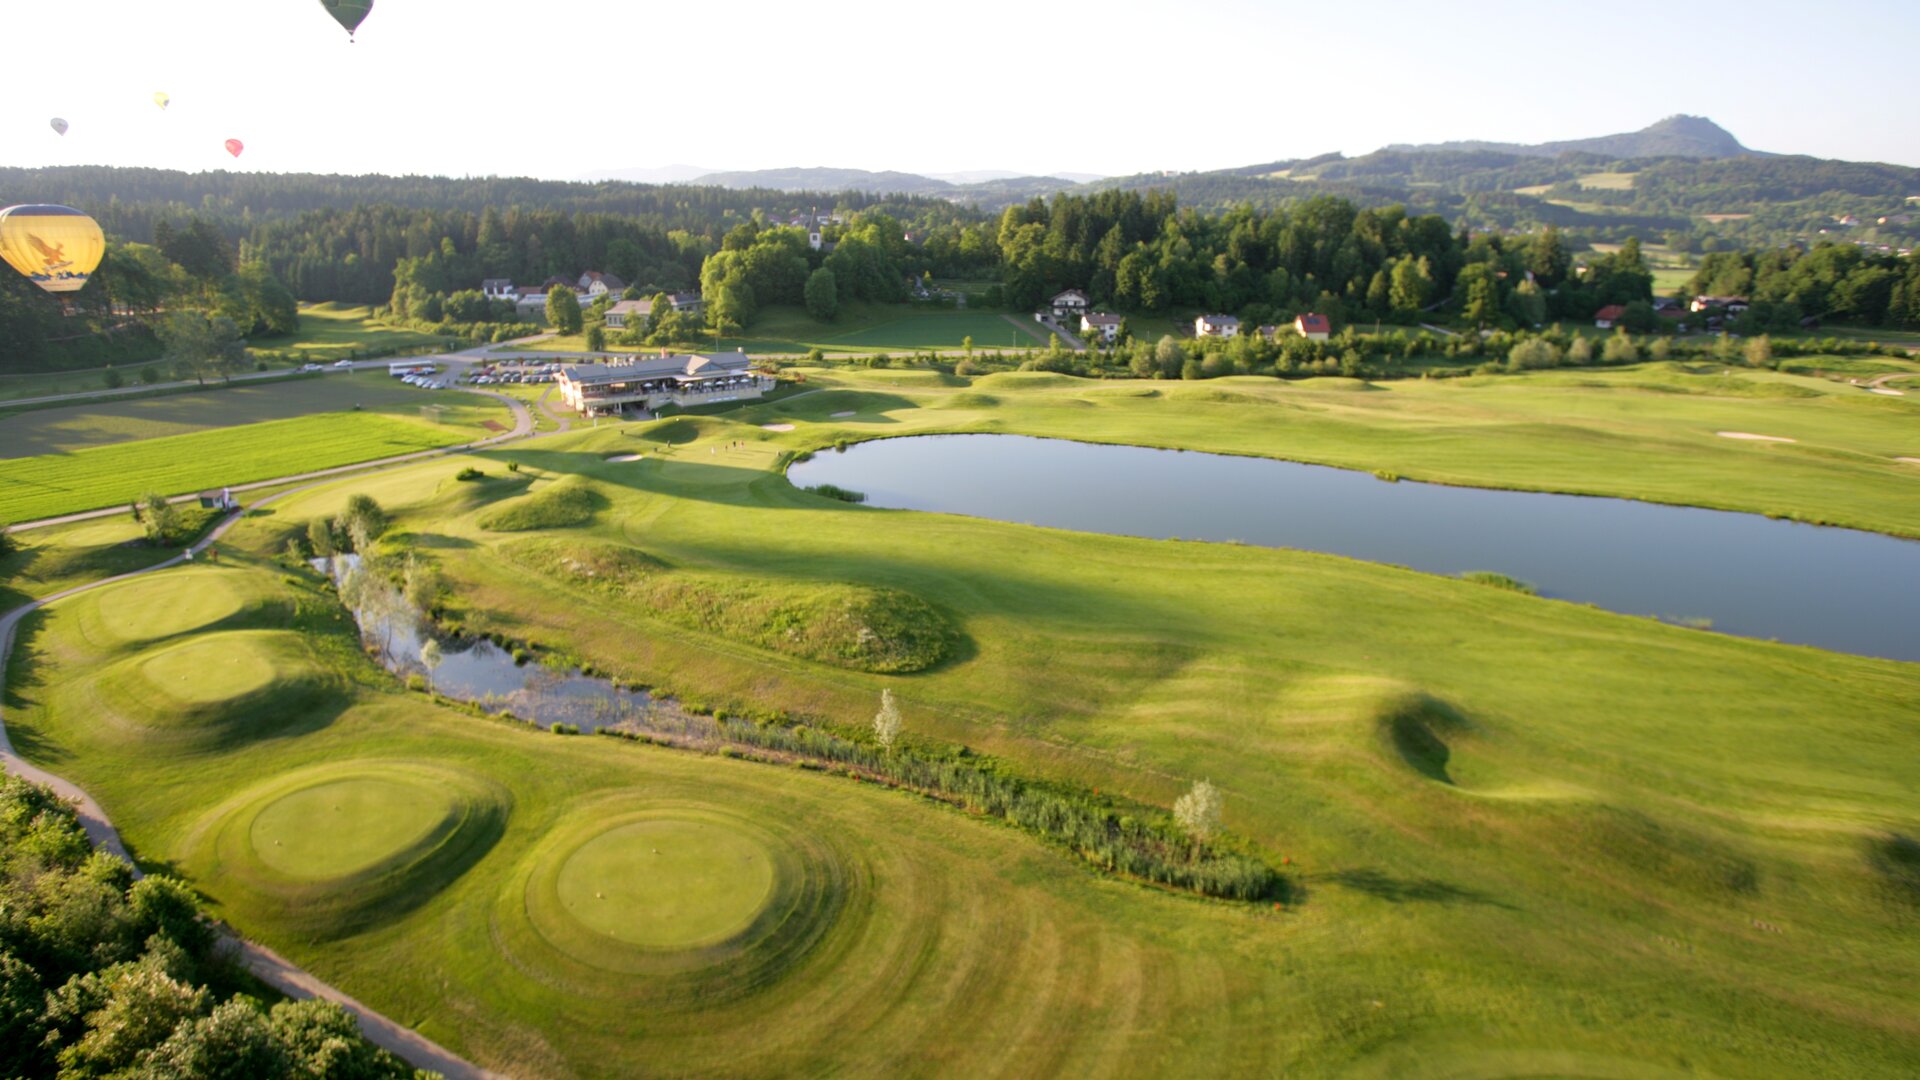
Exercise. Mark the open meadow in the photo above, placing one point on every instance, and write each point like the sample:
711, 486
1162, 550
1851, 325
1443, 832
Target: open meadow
860, 328
330, 331
1518, 837
98, 456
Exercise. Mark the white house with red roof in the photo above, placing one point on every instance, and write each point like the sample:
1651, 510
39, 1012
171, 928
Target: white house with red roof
1313, 327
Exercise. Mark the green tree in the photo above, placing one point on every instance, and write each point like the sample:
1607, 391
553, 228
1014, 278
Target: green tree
596, 338
822, 295
206, 348
563, 310
1547, 257
160, 518
1619, 348
1412, 287
1198, 812
1759, 351
1580, 350
1169, 356
1480, 294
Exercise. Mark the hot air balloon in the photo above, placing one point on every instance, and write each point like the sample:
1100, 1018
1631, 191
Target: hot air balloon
348, 13
56, 247
160, 98
59, 126
234, 146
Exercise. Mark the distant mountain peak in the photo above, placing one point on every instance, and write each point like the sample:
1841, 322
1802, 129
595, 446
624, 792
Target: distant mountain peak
1679, 135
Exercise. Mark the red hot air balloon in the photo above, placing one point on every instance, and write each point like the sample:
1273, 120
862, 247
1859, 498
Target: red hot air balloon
234, 146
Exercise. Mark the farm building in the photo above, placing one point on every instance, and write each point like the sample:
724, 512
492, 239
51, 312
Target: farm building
1607, 316
647, 383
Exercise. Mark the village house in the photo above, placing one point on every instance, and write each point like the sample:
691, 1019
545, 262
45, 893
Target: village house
1268, 331
1071, 304
647, 383
1732, 305
1223, 326
595, 284
1313, 327
1099, 322
1607, 316
641, 310
497, 288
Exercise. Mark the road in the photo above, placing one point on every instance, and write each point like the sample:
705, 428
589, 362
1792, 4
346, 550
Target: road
264, 963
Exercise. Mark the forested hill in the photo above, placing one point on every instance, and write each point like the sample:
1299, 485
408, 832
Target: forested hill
1676, 136
127, 202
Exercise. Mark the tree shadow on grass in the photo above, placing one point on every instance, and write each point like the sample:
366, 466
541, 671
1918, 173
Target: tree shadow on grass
1383, 886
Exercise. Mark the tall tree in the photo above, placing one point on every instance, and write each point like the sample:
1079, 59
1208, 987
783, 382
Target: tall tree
563, 310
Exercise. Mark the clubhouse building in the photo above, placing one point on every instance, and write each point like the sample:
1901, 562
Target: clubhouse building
646, 383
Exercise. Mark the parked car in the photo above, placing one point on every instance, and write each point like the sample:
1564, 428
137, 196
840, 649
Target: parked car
343, 363
310, 367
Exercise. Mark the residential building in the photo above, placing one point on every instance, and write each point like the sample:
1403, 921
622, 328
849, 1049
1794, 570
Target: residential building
1224, 326
1733, 305
595, 283
647, 383
1269, 331
1607, 316
1313, 327
534, 301
1099, 322
496, 288
640, 310
1070, 304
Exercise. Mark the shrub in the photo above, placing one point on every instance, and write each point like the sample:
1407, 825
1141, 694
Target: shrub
1499, 581
834, 491
469, 473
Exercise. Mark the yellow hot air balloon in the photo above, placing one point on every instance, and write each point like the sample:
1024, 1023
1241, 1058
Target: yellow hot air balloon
160, 98
56, 247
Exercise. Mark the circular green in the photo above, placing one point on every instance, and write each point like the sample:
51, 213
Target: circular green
345, 826
210, 670
165, 605
668, 883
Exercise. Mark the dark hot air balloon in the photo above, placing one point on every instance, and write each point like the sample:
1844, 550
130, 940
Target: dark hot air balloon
234, 146
59, 126
348, 13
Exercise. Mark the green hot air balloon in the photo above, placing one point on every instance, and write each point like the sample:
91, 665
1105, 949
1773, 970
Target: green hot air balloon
348, 13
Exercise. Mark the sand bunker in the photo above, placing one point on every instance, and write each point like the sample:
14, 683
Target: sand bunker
1884, 390
778, 427
626, 457
838, 415
1750, 435
1908, 460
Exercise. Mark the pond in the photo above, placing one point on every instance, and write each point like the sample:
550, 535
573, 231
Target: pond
1744, 574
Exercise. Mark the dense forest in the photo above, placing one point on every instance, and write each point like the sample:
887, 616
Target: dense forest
105, 976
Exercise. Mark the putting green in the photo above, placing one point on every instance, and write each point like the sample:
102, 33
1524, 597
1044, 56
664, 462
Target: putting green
162, 606
211, 669
668, 884
342, 827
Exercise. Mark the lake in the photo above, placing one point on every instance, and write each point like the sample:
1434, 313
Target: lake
1839, 589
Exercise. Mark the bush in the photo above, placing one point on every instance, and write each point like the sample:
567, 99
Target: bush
469, 473
834, 491
1499, 581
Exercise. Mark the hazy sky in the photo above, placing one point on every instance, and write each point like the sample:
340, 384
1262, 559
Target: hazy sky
560, 88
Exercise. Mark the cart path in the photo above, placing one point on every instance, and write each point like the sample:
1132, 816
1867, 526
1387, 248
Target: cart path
263, 962
522, 427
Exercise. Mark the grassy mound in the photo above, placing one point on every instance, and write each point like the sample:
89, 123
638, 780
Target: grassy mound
707, 903
1026, 380
851, 626
667, 883
569, 502
335, 849
162, 606
212, 690
968, 400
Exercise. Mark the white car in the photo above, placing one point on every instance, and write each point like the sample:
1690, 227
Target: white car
343, 363
309, 367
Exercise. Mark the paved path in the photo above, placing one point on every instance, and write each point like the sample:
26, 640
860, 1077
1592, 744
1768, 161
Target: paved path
522, 426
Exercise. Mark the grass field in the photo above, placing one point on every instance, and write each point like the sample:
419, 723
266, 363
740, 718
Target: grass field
51, 484
1524, 837
1607, 181
330, 332
81, 427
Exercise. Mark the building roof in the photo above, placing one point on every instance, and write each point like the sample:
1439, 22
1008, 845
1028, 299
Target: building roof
677, 365
1219, 320
683, 299
631, 307
496, 282
1071, 296
1313, 324
1100, 318
1609, 313
609, 280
